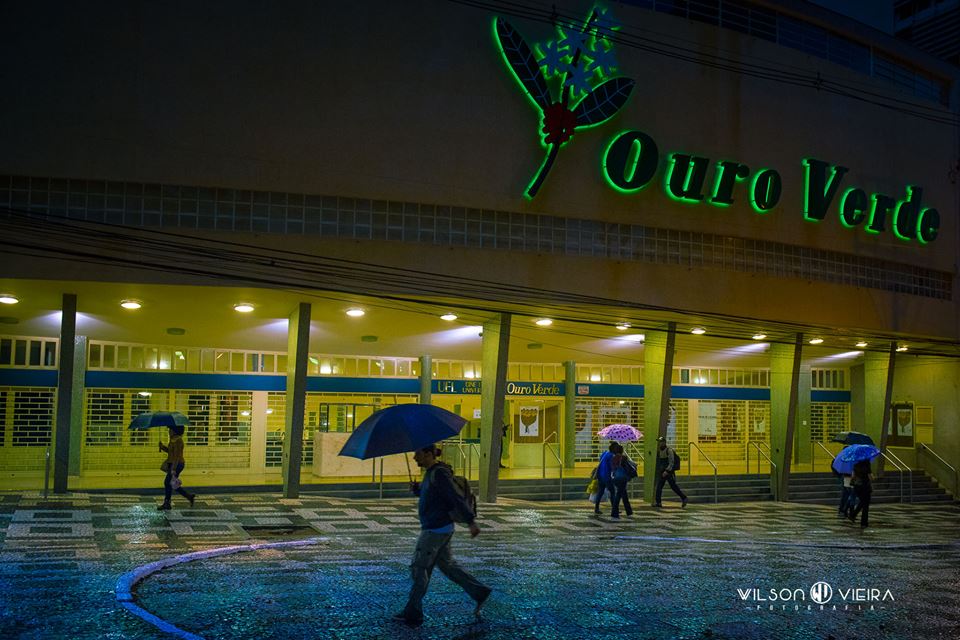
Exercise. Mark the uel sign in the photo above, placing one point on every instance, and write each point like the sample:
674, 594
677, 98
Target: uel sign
632, 159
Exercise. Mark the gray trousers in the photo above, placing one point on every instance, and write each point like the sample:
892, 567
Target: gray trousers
433, 549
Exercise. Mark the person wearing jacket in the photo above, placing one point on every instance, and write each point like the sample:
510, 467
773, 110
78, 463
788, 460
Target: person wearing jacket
174, 465
665, 473
439, 500
605, 478
620, 476
863, 489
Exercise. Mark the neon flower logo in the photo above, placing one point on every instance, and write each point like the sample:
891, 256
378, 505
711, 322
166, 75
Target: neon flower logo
579, 63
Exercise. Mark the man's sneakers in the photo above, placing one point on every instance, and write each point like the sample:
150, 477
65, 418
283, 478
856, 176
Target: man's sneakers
192, 497
657, 505
410, 622
683, 503
164, 507
480, 602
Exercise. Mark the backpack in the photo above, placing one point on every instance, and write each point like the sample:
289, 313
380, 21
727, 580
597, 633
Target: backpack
676, 461
462, 486
630, 467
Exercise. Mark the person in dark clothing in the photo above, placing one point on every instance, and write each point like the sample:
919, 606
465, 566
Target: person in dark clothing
665, 473
173, 467
863, 488
621, 477
604, 477
439, 499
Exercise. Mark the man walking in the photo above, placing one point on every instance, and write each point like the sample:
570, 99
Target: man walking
666, 472
439, 501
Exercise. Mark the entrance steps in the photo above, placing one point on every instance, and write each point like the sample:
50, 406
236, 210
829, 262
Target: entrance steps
824, 488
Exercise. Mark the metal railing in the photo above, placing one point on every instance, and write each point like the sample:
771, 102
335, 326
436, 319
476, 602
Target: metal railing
908, 470
776, 469
813, 454
556, 454
716, 483
956, 474
757, 444
637, 457
890, 458
46, 474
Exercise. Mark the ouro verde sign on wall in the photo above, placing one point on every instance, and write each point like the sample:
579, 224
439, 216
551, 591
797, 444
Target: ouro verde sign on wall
580, 61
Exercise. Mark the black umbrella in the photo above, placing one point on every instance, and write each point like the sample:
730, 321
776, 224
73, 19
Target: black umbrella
853, 437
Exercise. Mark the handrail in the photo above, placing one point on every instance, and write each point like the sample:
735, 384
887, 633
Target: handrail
547, 445
638, 460
716, 490
470, 447
899, 470
776, 470
956, 474
909, 472
813, 457
46, 474
755, 443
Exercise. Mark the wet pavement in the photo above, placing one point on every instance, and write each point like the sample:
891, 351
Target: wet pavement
709, 571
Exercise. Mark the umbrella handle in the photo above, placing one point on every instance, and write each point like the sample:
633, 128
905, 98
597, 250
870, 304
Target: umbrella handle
407, 460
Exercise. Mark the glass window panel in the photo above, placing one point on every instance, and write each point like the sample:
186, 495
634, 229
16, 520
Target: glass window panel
6, 351
222, 362
123, 357
236, 362
165, 354
136, 358
403, 368
269, 363
20, 352
109, 356
150, 357
179, 360
253, 363
50, 354
282, 363
35, 350
389, 367
94, 362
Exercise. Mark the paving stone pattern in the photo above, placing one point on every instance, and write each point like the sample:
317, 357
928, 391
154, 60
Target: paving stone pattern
557, 571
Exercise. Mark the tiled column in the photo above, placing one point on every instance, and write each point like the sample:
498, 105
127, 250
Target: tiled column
298, 344
802, 450
878, 394
569, 413
496, 347
784, 393
67, 400
657, 376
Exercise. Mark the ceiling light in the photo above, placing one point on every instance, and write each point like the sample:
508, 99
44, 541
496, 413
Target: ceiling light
355, 312
145, 394
243, 307
622, 326
130, 303
176, 331
245, 413
816, 340
544, 322
594, 377
759, 336
449, 317
8, 298
862, 344
698, 331
635, 337
902, 348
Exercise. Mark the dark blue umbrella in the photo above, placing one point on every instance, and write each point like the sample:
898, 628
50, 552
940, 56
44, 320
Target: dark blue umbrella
852, 437
851, 455
401, 428
160, 419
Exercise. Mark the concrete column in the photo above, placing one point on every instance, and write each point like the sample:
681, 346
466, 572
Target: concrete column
657, 376
298, 344
63, 426
883, 411
569, 412
801, 452
496, 348
784, 392
426, 379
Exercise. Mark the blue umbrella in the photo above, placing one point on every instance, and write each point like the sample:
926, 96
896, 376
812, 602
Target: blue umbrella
401, 428
853, 437
160, 419
851, 455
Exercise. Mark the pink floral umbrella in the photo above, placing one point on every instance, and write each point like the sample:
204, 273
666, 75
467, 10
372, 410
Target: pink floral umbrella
620, 433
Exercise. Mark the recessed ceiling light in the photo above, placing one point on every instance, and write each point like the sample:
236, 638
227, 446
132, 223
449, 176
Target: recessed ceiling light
544, 322
145, 394
355, 312
698, 331
534, 345
902, 348
449, 317
243, 307
759, 336
816, 340
130, 303
368, 338
8, 298
176, 331
635, 337
862, 344
622, 326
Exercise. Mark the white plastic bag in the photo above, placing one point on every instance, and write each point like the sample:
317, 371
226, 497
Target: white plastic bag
175, 483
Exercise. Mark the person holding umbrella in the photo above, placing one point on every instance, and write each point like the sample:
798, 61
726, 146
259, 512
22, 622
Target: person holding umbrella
439, 503
173, 465
863, 489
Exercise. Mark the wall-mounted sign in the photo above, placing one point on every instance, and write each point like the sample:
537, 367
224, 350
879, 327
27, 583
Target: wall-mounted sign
529, 422
578, 62
472, 387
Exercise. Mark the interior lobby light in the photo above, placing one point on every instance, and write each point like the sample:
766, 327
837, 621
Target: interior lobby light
816, 340
8, 298
759, 336
243, 307
355, 312
622, 326
698, 331
449, 317
862, 344
130, 303
635, 337
544, 322
901, 348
